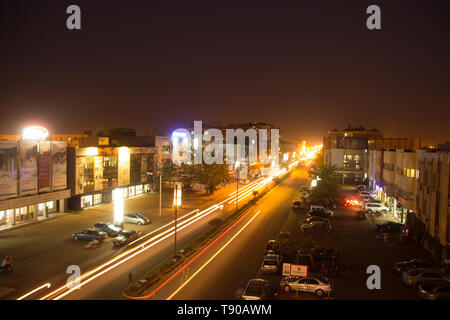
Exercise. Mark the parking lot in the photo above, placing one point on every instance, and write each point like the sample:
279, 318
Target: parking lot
356, 241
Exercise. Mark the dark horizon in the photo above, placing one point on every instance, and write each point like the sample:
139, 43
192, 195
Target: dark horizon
306, 67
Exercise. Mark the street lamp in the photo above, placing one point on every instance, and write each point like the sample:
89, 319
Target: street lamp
236, 167
118, 206
176, 203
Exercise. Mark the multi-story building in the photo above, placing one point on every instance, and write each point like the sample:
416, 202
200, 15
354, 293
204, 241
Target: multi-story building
348, 151
431, 201
100, 164
33, 177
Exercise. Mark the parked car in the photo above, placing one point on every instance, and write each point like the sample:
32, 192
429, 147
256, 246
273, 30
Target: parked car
418, 276
272, 247
314, 218
316, 226
297, 204
367, 194
271, 263
389, 226
111, 229
136, 218
435, 290
303, 194
318, 213
321, 208
89, 235
125, 237
374, 207
361, 187
257, 289
315, 283
403, 266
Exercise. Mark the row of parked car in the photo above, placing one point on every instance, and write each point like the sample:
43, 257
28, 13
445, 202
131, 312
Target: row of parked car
102, 230
432, 283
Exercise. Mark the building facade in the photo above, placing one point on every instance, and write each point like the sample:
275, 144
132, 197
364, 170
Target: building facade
33, 178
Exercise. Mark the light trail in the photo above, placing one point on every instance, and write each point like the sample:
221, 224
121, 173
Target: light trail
213, 257
141, 248
47, 285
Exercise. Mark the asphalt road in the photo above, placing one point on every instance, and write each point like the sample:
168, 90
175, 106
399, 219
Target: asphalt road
42, 252
237, 257
228, 265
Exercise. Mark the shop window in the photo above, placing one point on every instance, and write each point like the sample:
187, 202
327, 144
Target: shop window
49, 205
2, 215
98, 198
86, 201
41, 206
131, 191
139, 189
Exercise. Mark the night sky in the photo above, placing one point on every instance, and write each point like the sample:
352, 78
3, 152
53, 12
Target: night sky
306, 66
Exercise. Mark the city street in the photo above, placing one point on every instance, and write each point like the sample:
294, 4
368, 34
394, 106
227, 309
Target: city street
219, 276
43, 251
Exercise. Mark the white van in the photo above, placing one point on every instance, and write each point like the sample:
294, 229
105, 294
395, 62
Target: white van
322, 208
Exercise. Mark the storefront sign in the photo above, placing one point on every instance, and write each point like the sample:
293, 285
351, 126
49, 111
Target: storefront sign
44, 166
8, 169
295, 270
28, 151
124, 166
79, 176
59, 165
98, 173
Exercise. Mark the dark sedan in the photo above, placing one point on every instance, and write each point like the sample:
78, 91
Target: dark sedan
318, 213
89, 235
272, 247
111, 229
126, 237
389, 226
403, 266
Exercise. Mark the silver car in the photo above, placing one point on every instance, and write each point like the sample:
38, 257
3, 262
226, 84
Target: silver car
271, 263
418, 276
257, 289
435, 290
316, 225
315, 283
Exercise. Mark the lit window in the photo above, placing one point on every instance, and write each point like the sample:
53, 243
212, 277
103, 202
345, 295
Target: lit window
2, 214
50, 204
413, 173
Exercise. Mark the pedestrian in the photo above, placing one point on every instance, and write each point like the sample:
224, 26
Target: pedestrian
130, 277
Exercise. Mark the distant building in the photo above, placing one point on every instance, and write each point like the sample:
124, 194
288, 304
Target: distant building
348, 151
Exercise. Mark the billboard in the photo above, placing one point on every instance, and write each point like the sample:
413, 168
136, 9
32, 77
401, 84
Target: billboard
59, 165
44, 166
79, 175
98, 173
8, 169
124, 167
28, 155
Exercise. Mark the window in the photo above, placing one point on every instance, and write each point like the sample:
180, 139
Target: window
50, 204
98, 198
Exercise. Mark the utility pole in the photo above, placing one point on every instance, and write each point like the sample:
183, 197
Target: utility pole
160, 191
176, 216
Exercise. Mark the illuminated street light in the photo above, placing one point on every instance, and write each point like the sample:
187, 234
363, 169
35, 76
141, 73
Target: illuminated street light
176, 203
35, 133
118, 206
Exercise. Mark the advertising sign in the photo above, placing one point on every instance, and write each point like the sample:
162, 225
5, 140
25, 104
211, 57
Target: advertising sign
44, 166
295, 270
79, 176
8, 169
98, 173
124, 167
59, 165
28, 153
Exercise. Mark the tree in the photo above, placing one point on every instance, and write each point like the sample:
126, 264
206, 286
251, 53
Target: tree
211, 175
327, 187
187, 175
168, 171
